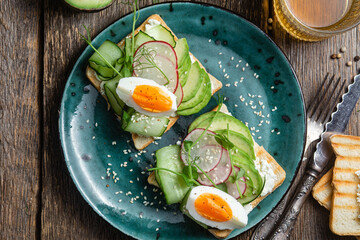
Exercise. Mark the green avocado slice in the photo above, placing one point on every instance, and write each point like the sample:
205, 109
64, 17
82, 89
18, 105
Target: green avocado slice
89, 5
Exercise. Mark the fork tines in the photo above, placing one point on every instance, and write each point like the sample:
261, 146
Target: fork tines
325, 99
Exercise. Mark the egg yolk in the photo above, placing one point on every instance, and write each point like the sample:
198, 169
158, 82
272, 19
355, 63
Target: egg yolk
152, 98
213, 207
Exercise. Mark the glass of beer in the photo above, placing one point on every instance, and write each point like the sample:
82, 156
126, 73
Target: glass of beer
314, 20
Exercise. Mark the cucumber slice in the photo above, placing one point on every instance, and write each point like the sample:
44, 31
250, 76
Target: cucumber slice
200, 100
111, 52
173, 186
240, 142
141, 38
160, 33
195, 79
144, 125
89, 5
127, 50
221, 121
110, 91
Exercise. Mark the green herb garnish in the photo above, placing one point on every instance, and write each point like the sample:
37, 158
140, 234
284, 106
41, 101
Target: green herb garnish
149, 57
88, 41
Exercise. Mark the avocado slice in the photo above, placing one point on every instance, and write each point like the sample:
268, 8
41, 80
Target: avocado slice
89, 5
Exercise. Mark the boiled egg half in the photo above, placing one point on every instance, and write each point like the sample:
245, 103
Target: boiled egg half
215, 208
146, 96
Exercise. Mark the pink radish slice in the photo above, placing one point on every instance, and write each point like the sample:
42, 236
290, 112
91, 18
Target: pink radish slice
207, 149
209, 158
164, 57
179, 95
220, 173
232, 188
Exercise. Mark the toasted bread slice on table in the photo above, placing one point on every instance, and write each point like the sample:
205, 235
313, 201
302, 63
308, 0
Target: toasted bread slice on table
142, 142
322, 191
344, 208
261, 153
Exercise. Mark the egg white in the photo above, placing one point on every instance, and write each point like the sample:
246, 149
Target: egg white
239, 216
125, 90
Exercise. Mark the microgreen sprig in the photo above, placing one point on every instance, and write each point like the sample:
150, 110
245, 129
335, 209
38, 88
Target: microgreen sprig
88, 41
149, 57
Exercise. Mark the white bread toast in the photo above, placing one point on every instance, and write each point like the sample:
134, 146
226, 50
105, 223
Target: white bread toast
344, 206
322, 190
142, 142
260, 152
338, 187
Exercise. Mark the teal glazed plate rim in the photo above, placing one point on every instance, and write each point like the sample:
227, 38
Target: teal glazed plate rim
260, 88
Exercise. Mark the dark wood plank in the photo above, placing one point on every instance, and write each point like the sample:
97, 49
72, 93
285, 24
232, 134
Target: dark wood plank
20, 64
311, 62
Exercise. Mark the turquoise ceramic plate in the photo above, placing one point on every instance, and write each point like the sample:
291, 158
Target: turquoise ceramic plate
256, 76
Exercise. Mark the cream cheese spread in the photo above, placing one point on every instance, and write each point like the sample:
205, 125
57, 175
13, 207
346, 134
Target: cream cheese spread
151, 23
266, 172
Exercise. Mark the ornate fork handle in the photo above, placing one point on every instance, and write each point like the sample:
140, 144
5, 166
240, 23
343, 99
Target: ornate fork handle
266, 226
282, 231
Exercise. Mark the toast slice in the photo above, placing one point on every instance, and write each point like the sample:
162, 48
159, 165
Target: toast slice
345, 208
261, 153
322, 190
142, 142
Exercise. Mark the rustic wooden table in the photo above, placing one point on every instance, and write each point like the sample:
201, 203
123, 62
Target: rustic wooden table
39, 45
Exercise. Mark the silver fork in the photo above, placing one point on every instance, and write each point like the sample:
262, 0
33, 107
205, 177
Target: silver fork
318, 114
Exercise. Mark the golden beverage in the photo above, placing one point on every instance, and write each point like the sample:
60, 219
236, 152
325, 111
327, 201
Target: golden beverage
313, 20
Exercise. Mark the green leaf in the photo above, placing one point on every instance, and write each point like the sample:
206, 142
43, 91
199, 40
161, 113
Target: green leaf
186, 172
188, 145
224, 141
240, 174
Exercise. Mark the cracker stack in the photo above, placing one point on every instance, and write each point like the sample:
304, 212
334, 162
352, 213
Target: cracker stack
337, 190
142, 142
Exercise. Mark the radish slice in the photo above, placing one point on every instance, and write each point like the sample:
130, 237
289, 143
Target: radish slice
206, 149
157, 60
209, 158
179, 95
220, 173
232, 188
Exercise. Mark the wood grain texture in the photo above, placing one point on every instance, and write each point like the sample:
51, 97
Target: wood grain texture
20, 64
40, 44
311, 62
